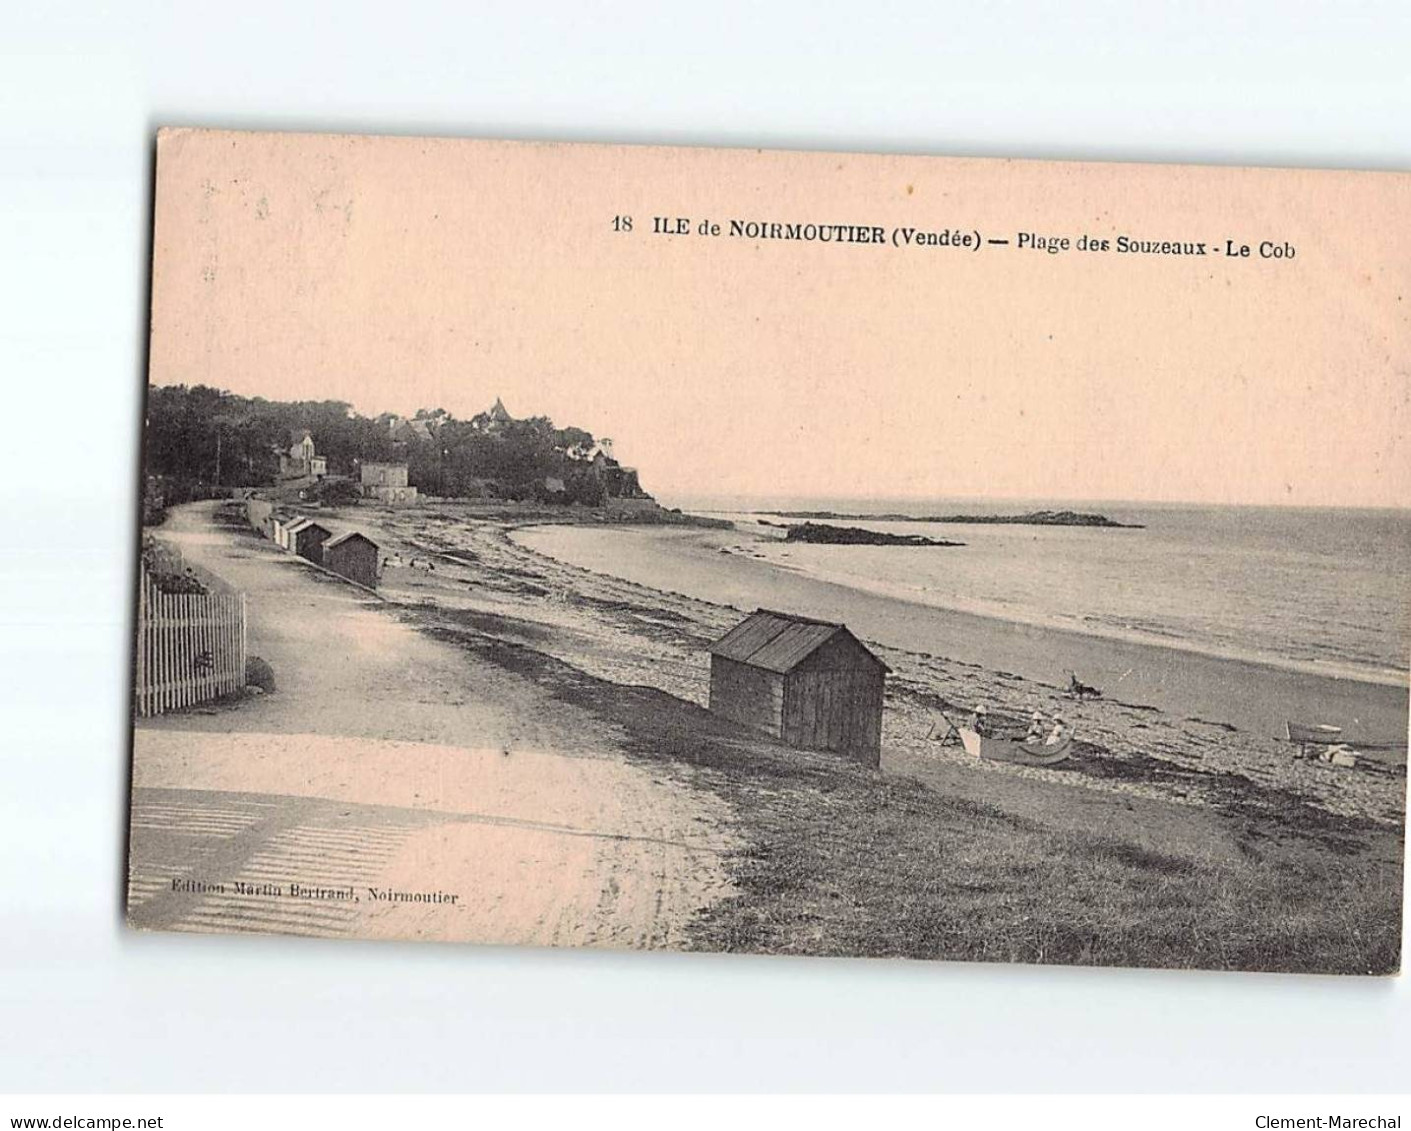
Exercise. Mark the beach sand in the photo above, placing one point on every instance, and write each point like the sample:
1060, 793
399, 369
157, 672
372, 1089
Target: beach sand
643, 607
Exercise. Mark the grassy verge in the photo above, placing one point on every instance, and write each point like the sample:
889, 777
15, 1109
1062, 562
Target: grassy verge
890, 868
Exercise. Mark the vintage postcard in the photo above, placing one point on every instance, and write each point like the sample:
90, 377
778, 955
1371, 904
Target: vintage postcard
784, 553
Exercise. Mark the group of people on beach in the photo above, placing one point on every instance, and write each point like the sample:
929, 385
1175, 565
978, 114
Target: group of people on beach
1037, 733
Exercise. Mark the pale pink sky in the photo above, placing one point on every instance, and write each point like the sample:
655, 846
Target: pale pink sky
400, 273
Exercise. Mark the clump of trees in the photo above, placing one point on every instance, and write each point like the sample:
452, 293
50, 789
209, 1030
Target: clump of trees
166, 569
198, 434
201, 441
337, 493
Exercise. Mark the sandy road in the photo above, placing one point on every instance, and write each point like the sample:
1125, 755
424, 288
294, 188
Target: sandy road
390, 761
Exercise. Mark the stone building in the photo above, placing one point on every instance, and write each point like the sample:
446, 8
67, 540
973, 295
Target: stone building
386, 482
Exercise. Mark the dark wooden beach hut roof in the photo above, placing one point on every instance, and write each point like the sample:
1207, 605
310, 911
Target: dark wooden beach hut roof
348, 537
779, 642
307, 524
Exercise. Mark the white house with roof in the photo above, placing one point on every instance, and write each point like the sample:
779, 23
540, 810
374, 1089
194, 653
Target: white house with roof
301, 461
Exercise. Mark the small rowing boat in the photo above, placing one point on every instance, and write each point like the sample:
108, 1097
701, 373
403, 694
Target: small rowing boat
1011, 750
1306, 734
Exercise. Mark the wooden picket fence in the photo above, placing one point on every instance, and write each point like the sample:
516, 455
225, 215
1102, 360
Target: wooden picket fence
190, 647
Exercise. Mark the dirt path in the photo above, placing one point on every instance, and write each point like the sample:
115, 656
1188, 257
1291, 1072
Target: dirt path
389, 760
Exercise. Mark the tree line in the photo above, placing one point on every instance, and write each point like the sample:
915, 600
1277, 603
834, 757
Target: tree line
202, 441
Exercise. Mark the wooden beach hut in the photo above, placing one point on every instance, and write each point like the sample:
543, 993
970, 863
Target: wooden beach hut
354, 556
280, 522
286, 534
810, 683
306, 538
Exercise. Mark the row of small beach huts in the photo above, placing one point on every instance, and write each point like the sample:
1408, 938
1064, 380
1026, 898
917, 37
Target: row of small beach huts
351, 554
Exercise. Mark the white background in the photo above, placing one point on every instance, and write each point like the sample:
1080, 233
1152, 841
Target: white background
86, 1005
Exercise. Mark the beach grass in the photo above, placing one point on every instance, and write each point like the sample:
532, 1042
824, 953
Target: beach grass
891, 868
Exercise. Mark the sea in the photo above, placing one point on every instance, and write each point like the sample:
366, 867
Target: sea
1321, 590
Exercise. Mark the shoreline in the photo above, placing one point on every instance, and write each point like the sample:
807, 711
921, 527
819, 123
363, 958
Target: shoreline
1096, 629
1111, 626
1183, 683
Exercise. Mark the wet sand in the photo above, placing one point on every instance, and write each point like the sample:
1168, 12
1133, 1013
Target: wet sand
1251, 697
